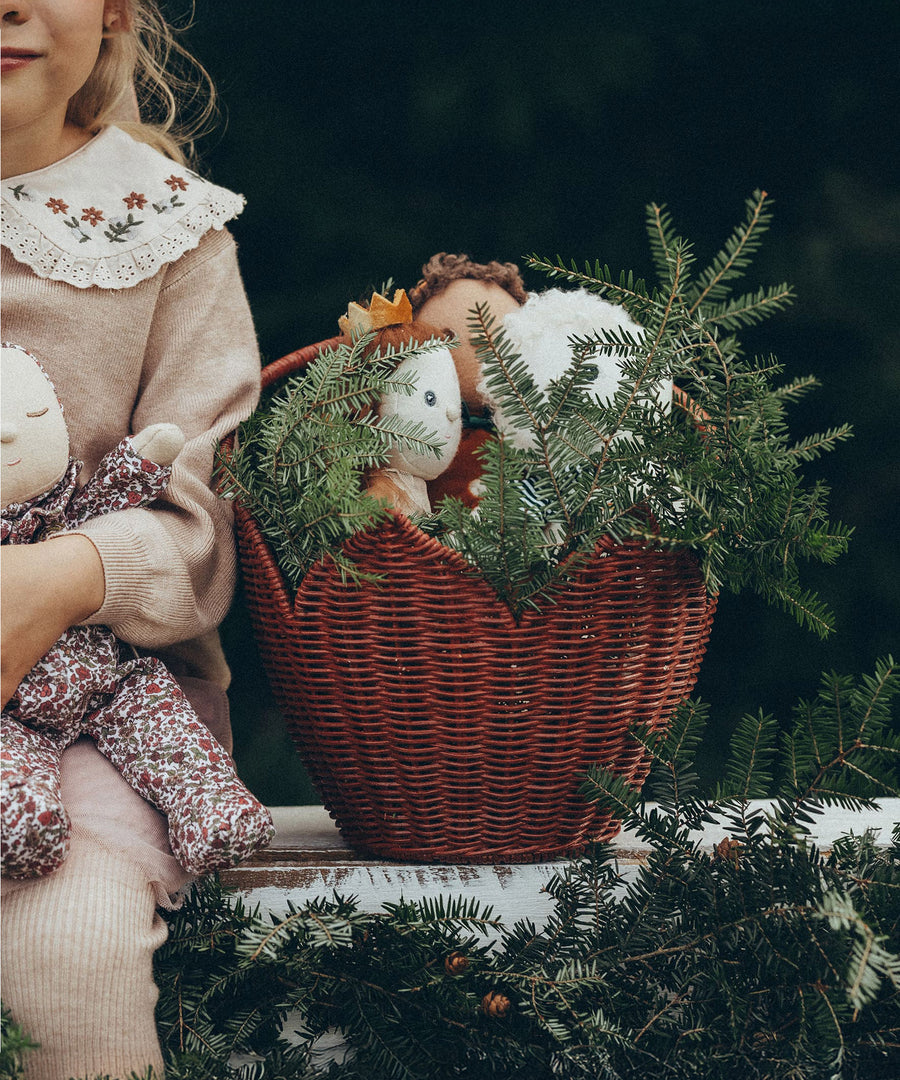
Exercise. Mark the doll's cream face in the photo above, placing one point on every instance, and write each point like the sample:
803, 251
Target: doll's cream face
435, 404
34, 443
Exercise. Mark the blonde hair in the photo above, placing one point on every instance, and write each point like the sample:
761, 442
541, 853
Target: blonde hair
144, 73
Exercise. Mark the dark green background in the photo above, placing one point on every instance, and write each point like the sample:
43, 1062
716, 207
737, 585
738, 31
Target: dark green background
367, 137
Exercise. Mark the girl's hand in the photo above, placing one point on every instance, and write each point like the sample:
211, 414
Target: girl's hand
45, 588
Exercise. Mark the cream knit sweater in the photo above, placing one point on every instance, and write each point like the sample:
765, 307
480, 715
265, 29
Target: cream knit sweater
177, 346
167, 336
138, 314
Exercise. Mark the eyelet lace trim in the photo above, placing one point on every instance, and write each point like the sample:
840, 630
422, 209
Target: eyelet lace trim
109, 215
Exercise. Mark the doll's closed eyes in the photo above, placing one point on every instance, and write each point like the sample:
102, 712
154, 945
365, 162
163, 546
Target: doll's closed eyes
34, 442
89, 684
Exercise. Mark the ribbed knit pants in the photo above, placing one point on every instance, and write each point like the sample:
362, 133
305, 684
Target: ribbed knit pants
77, 945
78, 966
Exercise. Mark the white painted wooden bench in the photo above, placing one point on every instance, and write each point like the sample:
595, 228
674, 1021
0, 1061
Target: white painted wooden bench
308, 858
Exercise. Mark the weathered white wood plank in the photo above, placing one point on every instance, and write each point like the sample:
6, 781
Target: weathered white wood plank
308, 858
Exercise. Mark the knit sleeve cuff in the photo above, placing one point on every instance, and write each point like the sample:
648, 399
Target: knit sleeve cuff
132, 587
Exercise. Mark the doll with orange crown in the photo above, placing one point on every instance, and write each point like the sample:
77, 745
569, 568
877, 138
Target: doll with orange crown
435, 403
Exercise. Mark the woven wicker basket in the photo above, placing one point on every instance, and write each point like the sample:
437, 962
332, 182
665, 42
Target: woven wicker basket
434, 727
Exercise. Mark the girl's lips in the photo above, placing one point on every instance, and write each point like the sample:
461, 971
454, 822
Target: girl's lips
18, 461
13, 59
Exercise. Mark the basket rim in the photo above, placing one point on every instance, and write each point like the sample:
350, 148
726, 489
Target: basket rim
296, 360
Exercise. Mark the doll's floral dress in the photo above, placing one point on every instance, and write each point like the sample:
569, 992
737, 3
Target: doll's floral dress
88, 684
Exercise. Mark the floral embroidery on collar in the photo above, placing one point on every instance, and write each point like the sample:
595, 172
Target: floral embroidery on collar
111, 214
118, 226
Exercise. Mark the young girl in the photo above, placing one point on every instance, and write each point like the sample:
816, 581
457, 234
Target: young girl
118, 274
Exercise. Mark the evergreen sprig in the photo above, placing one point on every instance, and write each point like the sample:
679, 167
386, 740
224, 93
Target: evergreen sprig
14, 1047
761, 957
725, 481
298, 463
543, 506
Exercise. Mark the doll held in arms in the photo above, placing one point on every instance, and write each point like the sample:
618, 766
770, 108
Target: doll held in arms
402, 483
88, 683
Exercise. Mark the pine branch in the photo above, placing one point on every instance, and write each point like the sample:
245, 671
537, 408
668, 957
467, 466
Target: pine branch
15, 1045
749, 773
300, 461
735, 257
724, 481
627, 290
663, 239
750, 309
762, 957
846, 724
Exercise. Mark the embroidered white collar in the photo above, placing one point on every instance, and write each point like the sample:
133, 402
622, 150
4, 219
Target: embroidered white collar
111, 214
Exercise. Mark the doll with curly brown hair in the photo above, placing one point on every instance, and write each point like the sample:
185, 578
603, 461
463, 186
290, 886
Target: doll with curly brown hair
451, 286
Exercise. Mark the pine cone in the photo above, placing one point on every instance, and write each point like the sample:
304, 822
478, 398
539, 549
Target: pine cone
495, 1004
456, 963
728, 849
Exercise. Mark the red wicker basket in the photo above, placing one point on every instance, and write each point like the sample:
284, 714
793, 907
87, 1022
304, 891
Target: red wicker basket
435, 727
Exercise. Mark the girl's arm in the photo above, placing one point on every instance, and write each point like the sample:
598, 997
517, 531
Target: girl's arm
46, 588
169, 569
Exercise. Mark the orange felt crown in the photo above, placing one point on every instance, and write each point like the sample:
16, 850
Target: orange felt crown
381, 312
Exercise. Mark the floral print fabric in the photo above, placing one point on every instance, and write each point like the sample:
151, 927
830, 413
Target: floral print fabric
131, 706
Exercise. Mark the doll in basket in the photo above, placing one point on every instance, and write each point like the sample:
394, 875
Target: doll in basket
403, 482
87, 683
540, 326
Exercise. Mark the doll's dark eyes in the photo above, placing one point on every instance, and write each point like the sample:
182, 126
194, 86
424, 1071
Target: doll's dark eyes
40, 412
430, 397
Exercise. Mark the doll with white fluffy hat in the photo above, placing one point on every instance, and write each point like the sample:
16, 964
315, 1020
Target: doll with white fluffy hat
87, 683
539, 326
